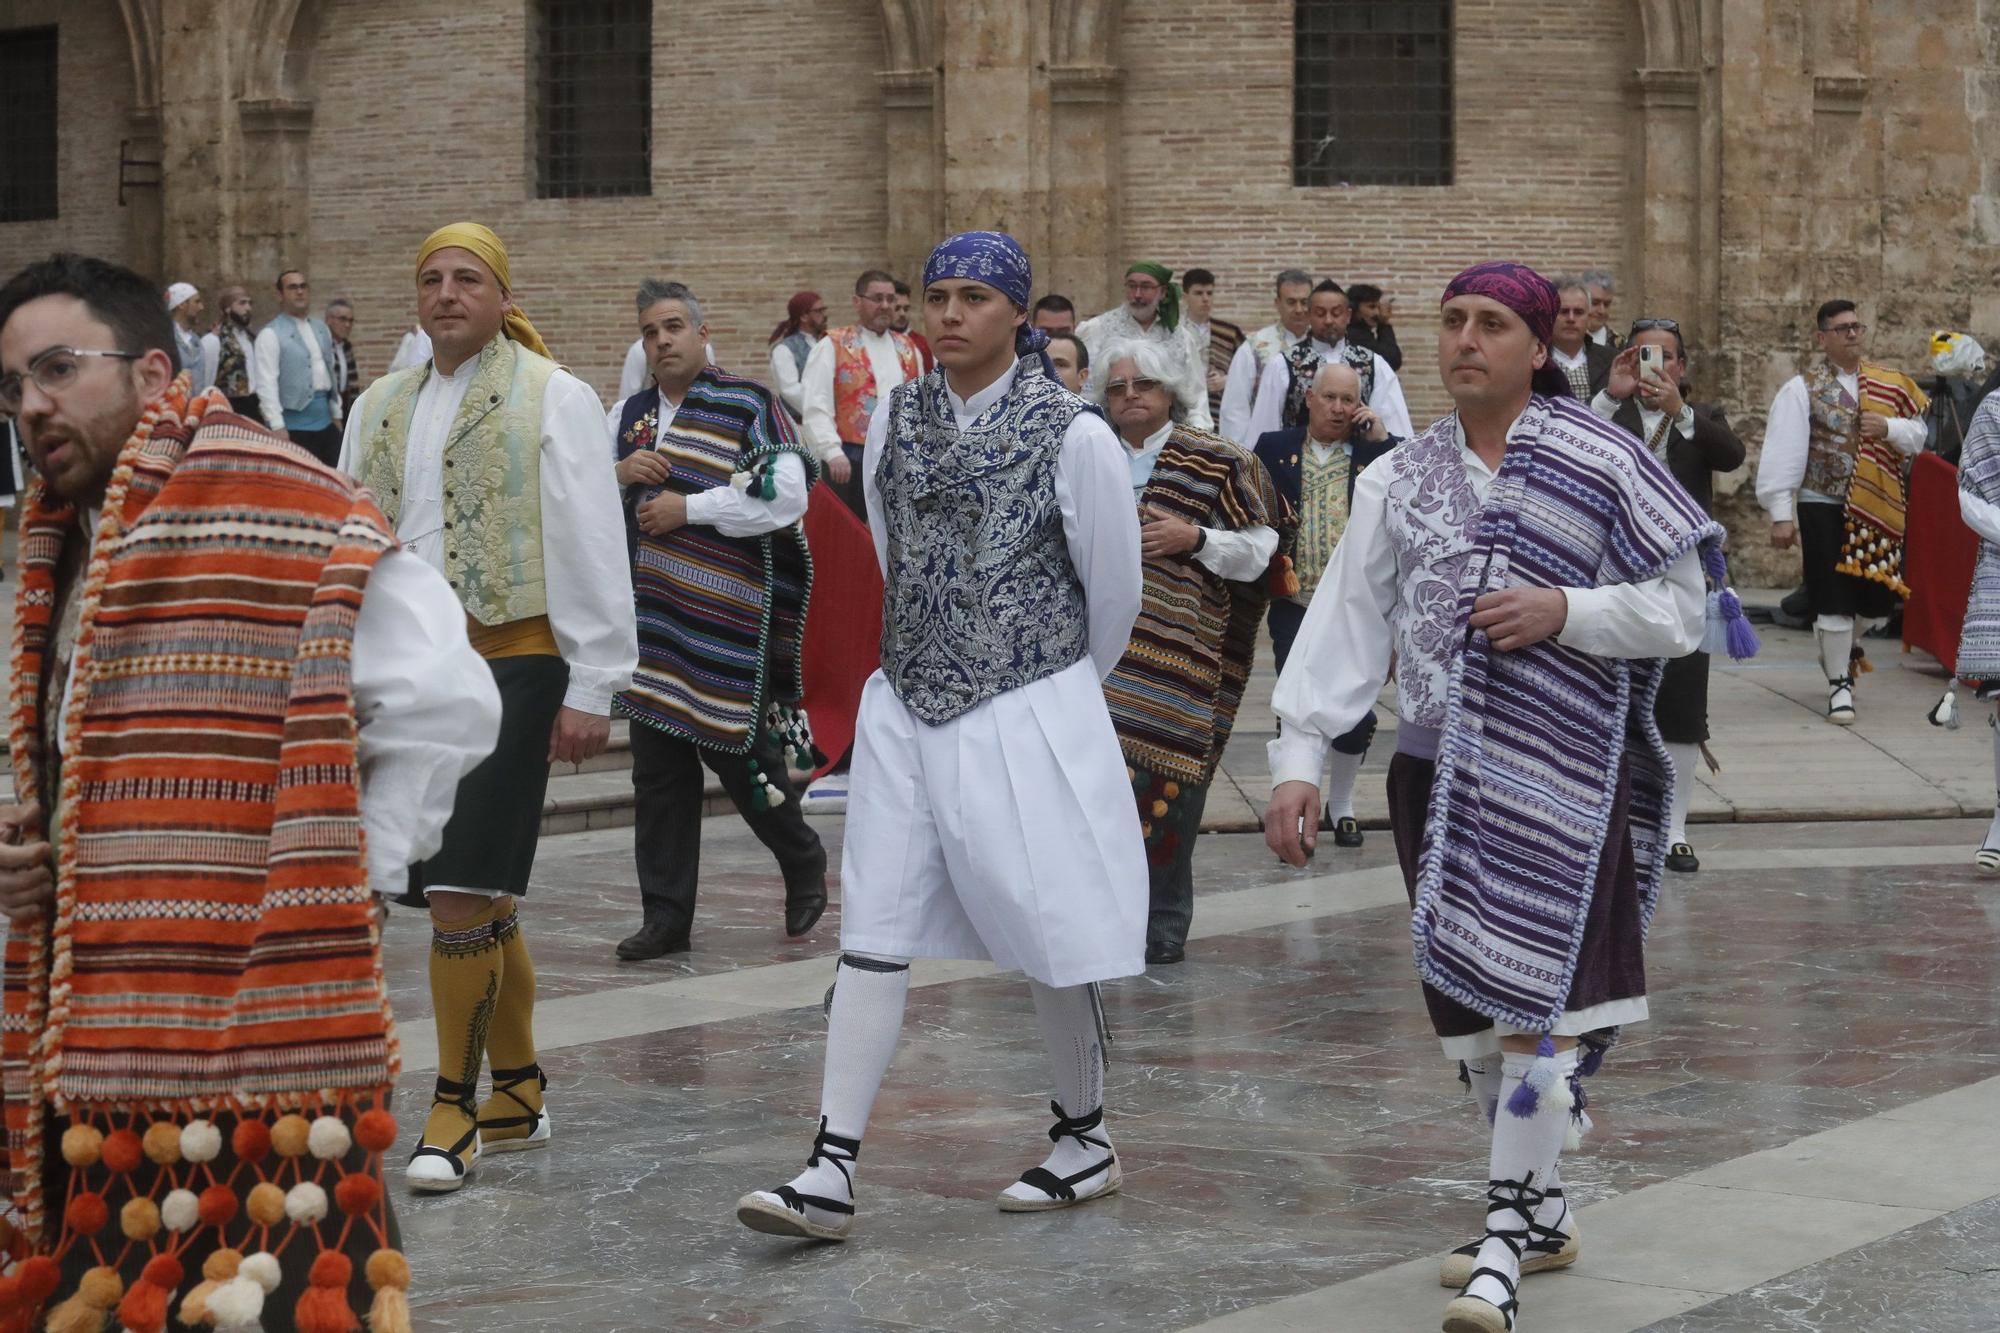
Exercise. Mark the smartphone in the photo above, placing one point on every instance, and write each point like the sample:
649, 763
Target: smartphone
1652, 361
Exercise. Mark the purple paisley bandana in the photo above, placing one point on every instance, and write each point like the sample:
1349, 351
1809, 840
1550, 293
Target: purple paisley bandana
1516, 286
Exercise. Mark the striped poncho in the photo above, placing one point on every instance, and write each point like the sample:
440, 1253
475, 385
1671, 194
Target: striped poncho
1173, 696
1979, 476
721, 619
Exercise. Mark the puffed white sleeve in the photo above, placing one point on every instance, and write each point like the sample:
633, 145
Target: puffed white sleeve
735, 513
871, 457
785, 374
426, 709
264, 376
1101, 528
350, 439
588, 573
1387, 400
1267, 413
1240, 555
1662, 617
1787, 440
816, 424
1340, 659
1238, 393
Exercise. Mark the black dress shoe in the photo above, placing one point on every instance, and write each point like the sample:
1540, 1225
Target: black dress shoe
1682, 860
802, 913
1346, 832
1164, 951
655, 939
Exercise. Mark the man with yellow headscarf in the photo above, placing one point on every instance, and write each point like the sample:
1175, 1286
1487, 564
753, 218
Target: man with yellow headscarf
493, 463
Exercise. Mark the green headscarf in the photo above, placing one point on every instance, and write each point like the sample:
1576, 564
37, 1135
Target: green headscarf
1170, 299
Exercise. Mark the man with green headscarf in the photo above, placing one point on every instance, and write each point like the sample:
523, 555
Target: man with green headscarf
1151, 313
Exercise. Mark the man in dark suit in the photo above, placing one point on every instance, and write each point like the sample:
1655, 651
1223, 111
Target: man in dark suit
1314, 467
1695, 442
1586, 362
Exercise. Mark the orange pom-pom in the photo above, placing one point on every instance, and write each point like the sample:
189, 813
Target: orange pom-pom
218, 1205
139, 1219
82, 1145
388, 1268
357, 1193
252, 1141
289, 1135
222, 1265
323, 1307
96, 1293
331, 1268
86, 1214
1171, 790
144, 1309
1159, 809
162, 1270
10, 1294
40, 1276
163, 1142
266, 1204
375, 1130
122, 1151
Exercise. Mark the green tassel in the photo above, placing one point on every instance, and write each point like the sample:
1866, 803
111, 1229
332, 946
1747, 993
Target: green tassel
770, 487
759, 799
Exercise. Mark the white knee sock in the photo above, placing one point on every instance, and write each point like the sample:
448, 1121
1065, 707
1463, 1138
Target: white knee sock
861, 1032
1340, 784
1836, 643
1525, 1151
1685, 758
1076, 1067
1485, 1077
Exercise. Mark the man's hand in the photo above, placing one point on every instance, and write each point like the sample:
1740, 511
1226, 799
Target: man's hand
1874, 426
1291, 822
1784, 532
1370, 424
1385, 310
1662, 395
1624, 380
578, 736
644, 468
1516, 618
26, 884
1163, 534
1217, 381
663, 513
839, 468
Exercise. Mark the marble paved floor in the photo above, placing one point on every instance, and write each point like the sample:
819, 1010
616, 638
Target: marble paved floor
1806, 1136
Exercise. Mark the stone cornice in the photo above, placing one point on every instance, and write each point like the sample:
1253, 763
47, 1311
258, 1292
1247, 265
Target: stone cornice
909, 89
276, 115
1840, 94
1661, 88
1084, 83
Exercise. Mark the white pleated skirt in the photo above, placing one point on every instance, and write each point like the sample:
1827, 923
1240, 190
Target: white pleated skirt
1009, 833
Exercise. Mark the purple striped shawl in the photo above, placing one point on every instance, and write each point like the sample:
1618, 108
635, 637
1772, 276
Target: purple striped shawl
1527, 769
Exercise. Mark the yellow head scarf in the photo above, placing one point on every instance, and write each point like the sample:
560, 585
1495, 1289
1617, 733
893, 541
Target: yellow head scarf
482, 242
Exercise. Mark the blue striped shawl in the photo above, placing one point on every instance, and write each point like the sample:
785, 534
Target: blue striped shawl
1979, 475
1527, 767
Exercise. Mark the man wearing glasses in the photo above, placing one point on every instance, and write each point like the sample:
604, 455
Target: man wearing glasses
1843, 419
294, 375
847, 373
1152, 313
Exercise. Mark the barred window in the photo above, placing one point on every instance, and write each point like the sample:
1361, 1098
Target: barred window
594, 98
1371, 92
27, 124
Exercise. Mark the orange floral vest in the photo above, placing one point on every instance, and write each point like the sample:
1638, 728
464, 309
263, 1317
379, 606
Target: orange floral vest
854, 393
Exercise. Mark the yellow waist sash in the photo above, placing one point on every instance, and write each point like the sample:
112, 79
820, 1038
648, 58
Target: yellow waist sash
529, 637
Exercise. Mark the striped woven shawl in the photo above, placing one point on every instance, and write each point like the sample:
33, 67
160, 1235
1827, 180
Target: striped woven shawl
1173, 696
213, 941
1527, 769
721, 619
1979, 475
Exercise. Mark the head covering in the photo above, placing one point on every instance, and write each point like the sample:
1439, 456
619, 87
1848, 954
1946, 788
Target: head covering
487, 248
1957, 354
1170, 298
179, 294
996, 259
795, 310
1529, 295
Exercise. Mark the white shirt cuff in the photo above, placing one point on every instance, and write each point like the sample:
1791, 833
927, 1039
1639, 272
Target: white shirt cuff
1296, 756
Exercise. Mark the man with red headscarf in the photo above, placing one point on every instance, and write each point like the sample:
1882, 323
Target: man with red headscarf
791, 343
1526, 565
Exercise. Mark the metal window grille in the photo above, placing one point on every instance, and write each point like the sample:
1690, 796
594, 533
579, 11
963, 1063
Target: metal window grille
594, 98
1371, 92
27, 124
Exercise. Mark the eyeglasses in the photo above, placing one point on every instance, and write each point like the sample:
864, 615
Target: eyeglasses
1120, 388
1143, 286
53, 371
1641, 325
1850, 330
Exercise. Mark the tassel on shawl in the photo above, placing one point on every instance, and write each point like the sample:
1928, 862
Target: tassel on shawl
1944, 713
1542, 1081
1728, 629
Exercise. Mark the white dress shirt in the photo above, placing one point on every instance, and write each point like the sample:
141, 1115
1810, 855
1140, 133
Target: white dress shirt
1239, 394
1240, 555
1100, 523
1781, 472
1649, 418
1341, 657
413, 350
729, 511
1268, 413
1100, 331
818, 425
637, 374
788, 375
264, 376
587, 574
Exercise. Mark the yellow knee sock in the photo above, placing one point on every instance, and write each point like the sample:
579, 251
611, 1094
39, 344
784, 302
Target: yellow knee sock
467, 965
513, 1110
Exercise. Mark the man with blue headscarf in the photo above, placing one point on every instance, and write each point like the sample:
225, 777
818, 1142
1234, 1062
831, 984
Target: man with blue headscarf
991, 816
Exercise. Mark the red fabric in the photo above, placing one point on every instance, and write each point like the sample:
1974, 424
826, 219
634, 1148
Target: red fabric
924, 352
843, 642
1938, 557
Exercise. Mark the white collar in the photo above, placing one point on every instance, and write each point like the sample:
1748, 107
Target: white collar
463, 375
1465, 450
974, 407
1153, 443
1562, 358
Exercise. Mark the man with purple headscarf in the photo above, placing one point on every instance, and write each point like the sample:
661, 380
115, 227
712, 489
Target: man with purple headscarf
1526, 565
991, 816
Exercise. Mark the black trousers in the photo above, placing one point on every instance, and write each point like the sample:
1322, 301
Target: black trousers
850, 491
1822, 533
666, 833
323, 444
1284, 620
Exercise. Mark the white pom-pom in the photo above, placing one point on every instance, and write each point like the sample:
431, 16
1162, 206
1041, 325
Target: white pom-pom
305, 1203
777, 798
328, 1139
739, 481
262, 1268
237, 1303
201, 1141
1561, 1097
180, 1210
1579, 1125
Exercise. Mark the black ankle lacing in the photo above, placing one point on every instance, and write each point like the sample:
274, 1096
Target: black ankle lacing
504, 1083
831, 1148
1521, 1198
460, 1095
1070, 1127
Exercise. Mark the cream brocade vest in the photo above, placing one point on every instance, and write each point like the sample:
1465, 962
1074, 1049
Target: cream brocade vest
492, 477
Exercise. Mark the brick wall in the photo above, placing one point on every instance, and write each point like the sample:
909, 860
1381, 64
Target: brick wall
767, 170
94, 95
1542, 160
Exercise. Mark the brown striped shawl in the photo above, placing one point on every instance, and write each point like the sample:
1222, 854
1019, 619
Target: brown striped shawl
1174, 695
214, 944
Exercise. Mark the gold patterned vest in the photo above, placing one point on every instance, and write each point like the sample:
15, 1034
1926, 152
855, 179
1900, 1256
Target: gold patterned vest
492, 477
1834, 438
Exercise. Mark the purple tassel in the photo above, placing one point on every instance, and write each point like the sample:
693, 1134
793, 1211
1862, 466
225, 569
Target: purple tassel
1527, 1098
1525, 1102
1712, 562
1742, 641
1593, 1059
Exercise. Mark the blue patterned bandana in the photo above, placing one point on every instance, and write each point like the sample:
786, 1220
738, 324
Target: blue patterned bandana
996, 259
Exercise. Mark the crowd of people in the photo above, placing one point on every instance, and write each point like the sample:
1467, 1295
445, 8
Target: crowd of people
288, 647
